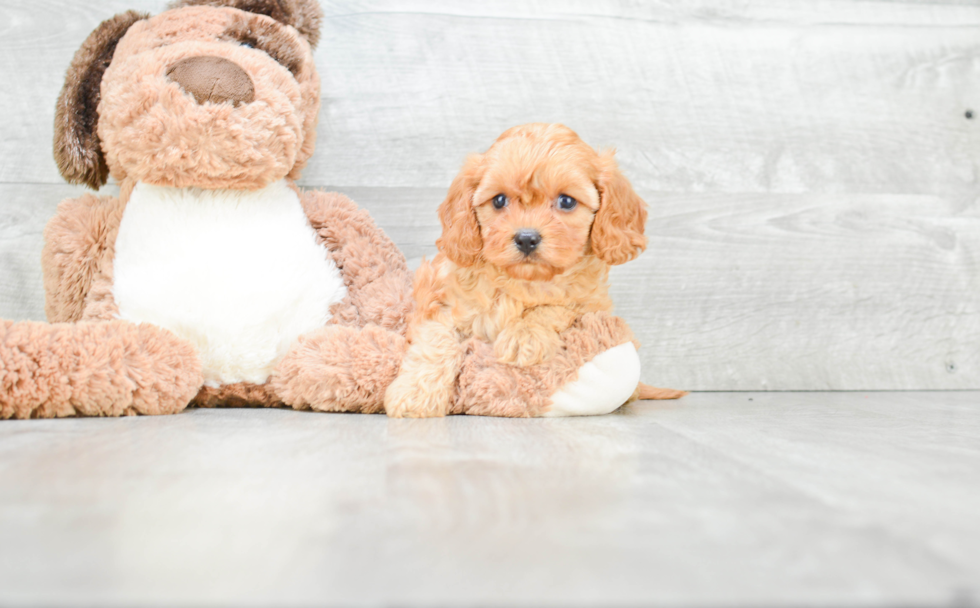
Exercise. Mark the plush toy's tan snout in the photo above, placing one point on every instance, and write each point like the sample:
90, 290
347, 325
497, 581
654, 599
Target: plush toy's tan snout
213, 79
215, 94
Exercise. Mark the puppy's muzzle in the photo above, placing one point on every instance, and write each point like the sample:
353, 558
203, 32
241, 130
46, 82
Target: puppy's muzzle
527, 241
213, 79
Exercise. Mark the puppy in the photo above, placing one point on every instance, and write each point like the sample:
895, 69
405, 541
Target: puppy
530, 229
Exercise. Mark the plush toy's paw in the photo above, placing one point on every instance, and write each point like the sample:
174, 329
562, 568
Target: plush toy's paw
114, 368
603, 384
340, 369
526, 344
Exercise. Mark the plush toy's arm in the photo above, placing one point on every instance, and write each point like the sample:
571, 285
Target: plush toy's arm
379, 284
78, 240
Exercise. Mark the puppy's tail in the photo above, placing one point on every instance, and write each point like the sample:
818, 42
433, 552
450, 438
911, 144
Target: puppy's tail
651, 392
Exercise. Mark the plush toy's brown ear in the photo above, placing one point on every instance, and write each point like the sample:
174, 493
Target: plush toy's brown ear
77, 148
617, 230
461, 241
304, 15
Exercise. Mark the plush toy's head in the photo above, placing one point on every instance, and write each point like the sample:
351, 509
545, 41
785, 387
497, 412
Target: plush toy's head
211, 93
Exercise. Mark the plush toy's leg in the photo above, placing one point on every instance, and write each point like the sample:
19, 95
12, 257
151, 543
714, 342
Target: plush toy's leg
595, 371
340, 369
603, 384
108, 368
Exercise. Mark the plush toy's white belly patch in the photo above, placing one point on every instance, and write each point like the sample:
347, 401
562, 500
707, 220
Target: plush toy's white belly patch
239, 274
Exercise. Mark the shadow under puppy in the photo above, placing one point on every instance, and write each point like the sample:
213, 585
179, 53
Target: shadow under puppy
212, 278
512, 317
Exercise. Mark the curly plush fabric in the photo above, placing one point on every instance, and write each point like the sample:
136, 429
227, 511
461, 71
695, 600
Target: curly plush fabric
340, 369
110, 368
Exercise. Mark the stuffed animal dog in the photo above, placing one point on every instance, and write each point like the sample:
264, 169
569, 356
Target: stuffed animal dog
512, 317
211, 280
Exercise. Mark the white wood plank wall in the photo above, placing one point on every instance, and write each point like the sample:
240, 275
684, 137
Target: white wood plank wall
810, 167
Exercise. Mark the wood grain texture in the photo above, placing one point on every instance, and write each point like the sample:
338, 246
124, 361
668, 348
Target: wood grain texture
706, 100
818, 291
812, 175
758, 96
718, 499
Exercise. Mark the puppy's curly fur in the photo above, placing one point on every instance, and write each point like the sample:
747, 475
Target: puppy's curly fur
530, 229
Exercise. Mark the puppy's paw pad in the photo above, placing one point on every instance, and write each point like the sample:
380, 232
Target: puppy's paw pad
603, 384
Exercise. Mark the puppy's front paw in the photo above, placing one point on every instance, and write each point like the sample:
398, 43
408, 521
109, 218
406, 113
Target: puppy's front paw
406, 398
525, 344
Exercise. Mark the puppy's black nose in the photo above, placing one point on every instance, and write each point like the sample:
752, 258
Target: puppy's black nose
527, 240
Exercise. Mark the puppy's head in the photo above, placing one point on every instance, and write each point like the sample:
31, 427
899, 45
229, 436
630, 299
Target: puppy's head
536, 202
212, 93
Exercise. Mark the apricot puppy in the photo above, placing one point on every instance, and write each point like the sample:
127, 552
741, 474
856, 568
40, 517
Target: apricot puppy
530, 229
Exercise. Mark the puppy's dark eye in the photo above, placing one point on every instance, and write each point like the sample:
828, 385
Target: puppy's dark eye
566, 203
247, 45
499, 201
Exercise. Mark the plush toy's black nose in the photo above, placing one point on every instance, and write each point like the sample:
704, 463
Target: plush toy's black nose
213, 79
527, 240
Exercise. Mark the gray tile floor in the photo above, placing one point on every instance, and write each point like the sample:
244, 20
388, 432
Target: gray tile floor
721, 498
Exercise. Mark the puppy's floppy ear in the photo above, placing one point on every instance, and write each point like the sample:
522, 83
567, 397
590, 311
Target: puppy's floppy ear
461, 241
304, 15
617, 231
77, 148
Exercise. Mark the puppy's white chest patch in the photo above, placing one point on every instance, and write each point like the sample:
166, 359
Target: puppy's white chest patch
239, 274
